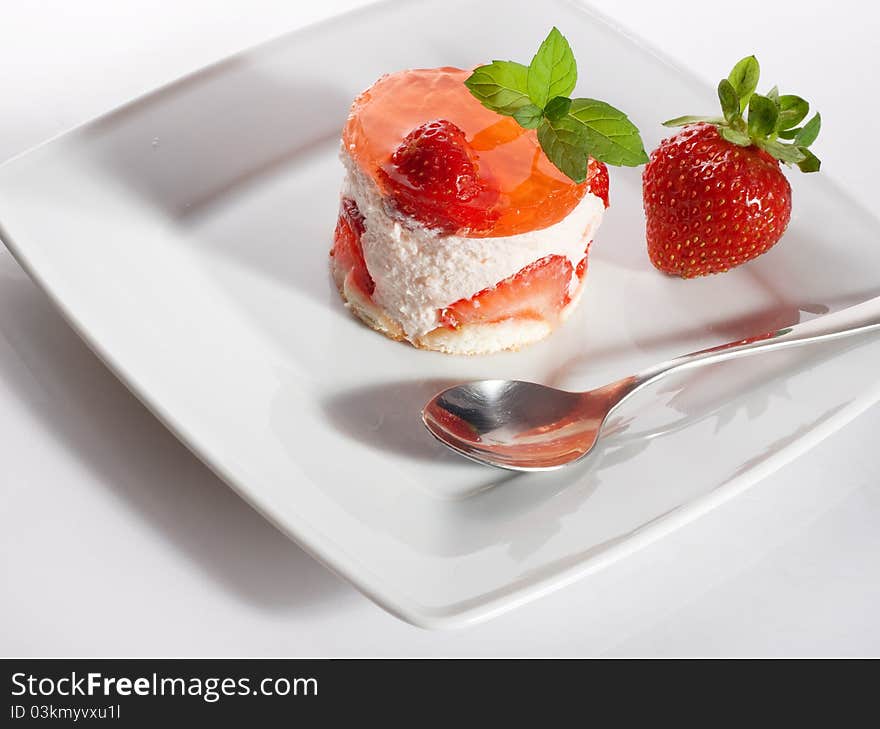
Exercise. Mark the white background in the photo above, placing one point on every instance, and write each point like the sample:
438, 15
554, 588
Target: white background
115, 541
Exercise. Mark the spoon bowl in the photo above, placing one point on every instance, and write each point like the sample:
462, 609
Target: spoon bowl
519, 425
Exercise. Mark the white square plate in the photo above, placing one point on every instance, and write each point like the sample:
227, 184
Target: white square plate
185, 237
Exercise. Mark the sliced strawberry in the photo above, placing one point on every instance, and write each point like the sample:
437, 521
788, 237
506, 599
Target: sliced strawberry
597, 179
435, 178
347, 250
353, 215
538, 291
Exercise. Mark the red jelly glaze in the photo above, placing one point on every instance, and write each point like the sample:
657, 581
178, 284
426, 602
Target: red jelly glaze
531, 192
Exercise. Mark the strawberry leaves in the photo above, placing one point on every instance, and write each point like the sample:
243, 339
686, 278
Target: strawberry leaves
806, 135
810, 162
767, 121
787, 153
763, 115
744, 80
735, 136
792, 111
570, 131
729, 99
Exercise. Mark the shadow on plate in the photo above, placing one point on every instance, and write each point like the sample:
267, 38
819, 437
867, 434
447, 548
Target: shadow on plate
525, 511
387, 417
197, 150
93, 416
193, 143
574, 373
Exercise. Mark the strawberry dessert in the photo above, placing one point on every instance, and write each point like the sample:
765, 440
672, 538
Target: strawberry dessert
470, 201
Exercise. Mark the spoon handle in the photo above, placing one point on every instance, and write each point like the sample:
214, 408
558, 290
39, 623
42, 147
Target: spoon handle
856, 319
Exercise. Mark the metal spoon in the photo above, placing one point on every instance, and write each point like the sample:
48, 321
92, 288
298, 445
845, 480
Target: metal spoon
523, 426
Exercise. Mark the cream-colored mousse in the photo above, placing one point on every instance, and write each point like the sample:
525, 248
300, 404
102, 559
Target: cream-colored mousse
418, 271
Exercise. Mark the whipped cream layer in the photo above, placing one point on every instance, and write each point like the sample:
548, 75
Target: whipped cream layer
418, 271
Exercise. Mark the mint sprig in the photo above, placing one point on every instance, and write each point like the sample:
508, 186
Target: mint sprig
570, 131
767, 121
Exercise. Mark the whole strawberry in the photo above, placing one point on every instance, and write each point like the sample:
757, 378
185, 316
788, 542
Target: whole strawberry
714, 194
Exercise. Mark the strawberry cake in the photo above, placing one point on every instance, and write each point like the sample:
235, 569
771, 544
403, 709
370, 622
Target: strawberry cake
455, 231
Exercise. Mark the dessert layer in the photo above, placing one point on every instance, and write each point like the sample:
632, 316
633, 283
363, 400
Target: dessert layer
470, 339
417, 272
532, 192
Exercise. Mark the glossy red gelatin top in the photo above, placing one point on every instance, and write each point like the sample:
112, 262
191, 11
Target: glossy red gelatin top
532, 193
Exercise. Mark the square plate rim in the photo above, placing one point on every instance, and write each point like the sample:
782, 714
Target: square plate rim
519, 592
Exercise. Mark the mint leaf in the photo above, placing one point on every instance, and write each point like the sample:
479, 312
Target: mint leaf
773, 95
788, 133
569, 131
501, 86
762, 116
528, 116
729, 101
553, 71
792, 111
806, 136
744, 79
681, 121
810, 163
591, 128
608, 133
735, 136
557, 107
783, 152
563, 141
